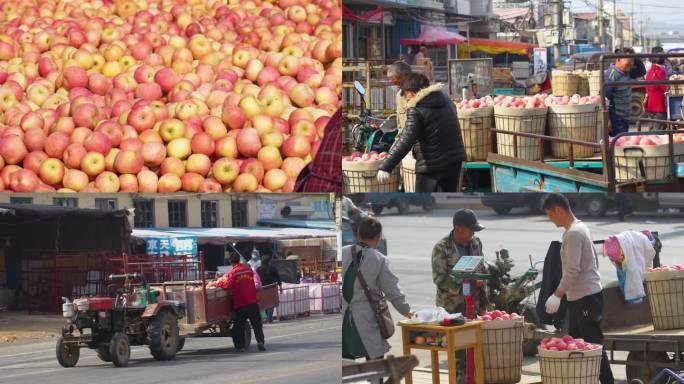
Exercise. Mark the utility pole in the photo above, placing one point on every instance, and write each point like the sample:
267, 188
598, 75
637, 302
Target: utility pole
599, 20
631, 27
557, 6
613, 26
641, 29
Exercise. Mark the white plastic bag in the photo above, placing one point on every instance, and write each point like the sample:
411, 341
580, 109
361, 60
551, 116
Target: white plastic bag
432, 315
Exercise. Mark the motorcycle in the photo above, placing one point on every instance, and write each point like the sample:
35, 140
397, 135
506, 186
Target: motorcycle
372, 133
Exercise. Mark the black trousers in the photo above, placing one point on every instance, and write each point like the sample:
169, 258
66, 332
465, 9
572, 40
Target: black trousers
242, 314
442, 181
585, 322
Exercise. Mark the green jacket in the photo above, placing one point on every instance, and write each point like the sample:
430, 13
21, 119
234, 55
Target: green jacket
444, 256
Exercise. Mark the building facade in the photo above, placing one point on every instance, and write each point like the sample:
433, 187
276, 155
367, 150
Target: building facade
191, 210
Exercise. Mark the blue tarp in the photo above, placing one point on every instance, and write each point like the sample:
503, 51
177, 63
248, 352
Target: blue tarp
294, 223
223, 235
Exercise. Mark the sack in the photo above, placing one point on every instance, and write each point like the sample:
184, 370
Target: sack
380, 307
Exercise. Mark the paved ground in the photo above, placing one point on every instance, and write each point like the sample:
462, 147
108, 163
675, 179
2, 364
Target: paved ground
411, 238
303, 351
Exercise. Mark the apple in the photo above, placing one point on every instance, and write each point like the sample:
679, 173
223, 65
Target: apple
85, 115
245, 182
166, 78
267, 75
128, 161
254, 167
75, 180
93, 164
275, 179
191, 182
179, 148
34, 139
153, 153
149, 91
273, 139
172, 165
99, 84
12, 149
227, 147
210, 185
302, 95
111, 158
172, 129
233, 116
225, 170
127, 182
325, 95
55, 145
148, 181
34, 160
107, 182
270, 158
304, 128
142, 118
169, 182
38, 94
248, 142
94, 142
203, 143
250, 106
198, 163
296, 146
75, 77
23, 180
73, 155
292, 166
288, 66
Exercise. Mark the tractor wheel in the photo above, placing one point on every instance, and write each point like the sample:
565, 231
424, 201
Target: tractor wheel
103, 353
181, 343
248, 336
67, 354
377, 209
502, 210
429, 205
596, 206
163, 335
120, 349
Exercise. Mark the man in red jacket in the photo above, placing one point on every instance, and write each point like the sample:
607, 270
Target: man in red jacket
240, 280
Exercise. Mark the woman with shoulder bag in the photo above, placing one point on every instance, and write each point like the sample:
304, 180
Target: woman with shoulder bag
368, 285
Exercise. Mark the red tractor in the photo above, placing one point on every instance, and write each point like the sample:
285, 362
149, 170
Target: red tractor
131, 315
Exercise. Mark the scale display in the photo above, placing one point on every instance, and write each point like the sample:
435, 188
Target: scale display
468, 264
462, 72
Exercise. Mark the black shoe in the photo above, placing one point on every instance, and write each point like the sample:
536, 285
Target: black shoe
261, 347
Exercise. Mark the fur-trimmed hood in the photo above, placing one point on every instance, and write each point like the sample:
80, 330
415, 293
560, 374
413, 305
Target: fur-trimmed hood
430, 97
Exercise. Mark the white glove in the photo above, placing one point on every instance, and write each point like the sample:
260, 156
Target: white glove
552, 304
383, 177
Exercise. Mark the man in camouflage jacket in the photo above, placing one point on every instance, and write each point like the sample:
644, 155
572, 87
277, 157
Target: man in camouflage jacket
461, 241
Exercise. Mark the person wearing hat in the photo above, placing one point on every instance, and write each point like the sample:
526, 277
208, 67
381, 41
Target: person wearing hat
461, 241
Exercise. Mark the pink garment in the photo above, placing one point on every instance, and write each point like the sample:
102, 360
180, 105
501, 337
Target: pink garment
257, 279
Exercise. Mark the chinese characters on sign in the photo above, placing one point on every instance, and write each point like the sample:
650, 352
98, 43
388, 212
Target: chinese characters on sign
172, 246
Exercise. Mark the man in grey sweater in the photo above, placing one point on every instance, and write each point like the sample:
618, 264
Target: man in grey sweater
581, 282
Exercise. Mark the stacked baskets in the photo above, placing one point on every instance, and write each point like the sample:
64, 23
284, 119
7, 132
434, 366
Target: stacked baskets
502, 351
583, 85
594, 83
524, 120
578, 122
665, 292
361, 177
564, 83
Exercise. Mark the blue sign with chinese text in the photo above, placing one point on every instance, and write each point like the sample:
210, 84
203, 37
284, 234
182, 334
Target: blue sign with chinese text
172, 246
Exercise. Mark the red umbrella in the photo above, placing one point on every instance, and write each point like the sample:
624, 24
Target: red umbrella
434, 36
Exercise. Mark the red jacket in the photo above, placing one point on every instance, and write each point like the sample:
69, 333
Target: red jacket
240, 280
656, 93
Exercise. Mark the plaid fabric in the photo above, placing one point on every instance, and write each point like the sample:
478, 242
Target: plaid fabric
324, 174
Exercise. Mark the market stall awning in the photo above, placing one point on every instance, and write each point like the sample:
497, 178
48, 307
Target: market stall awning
510, 14
434, 36
495, 47
374, 16
219, 236
294, 223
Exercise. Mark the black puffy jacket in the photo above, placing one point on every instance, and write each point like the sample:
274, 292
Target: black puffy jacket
432, 131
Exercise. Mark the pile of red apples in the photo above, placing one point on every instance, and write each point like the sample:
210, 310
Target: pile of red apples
165, 95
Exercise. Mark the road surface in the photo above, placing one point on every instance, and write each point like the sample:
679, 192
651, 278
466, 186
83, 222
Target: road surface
302, 351
410, 239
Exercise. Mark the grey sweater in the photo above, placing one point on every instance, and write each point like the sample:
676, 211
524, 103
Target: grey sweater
580, 266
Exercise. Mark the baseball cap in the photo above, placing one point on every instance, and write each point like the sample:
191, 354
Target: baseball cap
466, 218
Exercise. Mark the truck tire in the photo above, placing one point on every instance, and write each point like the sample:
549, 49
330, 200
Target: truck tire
596, 206
67, 354
248, 336
429, 205
403, 206
162, 333
377, 209
502, 209
645, 373
120, 349
103, 353
181, 343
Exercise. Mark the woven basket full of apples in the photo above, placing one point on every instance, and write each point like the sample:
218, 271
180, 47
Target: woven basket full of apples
665, 288
520, 114
650, 150
566, 360
502, 340
573, 117
564, 83
476, 119
359, 173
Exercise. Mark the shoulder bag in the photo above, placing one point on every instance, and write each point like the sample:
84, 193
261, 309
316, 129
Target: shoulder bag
380, 307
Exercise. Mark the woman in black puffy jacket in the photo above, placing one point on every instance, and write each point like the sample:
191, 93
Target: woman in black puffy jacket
432, 131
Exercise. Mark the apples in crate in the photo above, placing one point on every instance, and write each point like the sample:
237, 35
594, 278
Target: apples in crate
499, 315
567, 343
666, 268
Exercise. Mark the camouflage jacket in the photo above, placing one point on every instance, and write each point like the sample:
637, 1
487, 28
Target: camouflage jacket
444, 256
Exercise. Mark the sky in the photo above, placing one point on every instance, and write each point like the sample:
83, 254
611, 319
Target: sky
665, 15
